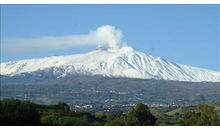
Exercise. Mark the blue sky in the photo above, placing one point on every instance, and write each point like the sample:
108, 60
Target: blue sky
186, 34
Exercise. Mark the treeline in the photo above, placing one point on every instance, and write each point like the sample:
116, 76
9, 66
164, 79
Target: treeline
14, 112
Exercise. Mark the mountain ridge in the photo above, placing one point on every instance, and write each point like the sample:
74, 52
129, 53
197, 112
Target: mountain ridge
112, 62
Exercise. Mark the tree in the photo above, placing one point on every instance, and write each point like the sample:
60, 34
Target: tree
63, 106
208, 116
204, 116
140, 116
16, 112
191, 118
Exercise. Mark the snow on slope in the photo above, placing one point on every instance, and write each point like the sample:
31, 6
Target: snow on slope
121, 62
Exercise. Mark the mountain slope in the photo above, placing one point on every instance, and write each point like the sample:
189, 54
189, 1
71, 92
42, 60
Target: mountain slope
121, 62
99, 90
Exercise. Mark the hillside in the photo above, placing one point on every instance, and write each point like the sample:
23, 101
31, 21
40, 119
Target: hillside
98, 90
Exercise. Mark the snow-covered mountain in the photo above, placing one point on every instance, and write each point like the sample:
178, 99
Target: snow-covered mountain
120, 62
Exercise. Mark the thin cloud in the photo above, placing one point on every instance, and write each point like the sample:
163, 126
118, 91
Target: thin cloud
104, 36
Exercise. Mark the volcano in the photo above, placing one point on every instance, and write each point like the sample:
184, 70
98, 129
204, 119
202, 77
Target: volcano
112, 62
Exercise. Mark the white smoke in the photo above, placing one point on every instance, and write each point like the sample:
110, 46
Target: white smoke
105, 36
111, 34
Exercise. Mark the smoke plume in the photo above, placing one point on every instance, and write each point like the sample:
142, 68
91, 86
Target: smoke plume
106, 35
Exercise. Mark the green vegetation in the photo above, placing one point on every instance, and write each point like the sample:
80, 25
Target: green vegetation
140, 116
14, 112
204, 116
